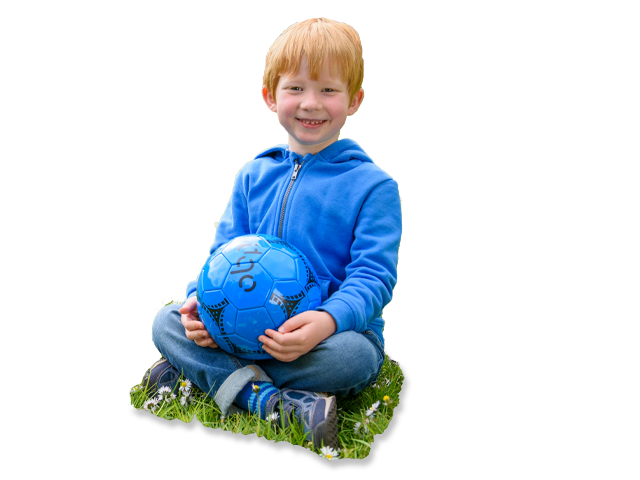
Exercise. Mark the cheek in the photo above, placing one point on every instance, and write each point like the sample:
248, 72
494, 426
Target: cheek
285, 109
337, 109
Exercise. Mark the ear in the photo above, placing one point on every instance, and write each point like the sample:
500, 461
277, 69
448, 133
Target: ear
268, 99
356, 102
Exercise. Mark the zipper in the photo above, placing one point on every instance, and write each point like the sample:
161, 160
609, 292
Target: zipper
297, 168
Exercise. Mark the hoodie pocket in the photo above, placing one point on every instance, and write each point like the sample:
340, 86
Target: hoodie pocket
324, 287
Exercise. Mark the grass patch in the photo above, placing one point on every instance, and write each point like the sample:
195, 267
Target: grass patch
360, 417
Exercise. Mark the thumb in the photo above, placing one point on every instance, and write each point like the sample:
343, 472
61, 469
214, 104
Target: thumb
190, 305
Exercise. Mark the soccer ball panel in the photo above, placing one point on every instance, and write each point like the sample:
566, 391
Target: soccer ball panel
216, 312
247, 285
252, 323
286, 300
307, 278
284, 247
270, 238
279, 265
214, 273
244, 249
241, 347
315, 298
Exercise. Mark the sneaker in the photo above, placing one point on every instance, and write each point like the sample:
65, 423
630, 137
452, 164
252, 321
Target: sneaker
316, 413
160, 374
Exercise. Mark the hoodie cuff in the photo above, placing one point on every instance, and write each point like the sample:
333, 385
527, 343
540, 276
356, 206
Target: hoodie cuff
341, 313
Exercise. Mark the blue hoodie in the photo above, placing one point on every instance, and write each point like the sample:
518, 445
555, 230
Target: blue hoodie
339, 209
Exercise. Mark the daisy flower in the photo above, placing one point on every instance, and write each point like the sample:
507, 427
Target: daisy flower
373, 408
151, 405
255, 388
356, 427
329, 453
185, 386
164, 390
185, 396
272, 417
386, 400
164, 394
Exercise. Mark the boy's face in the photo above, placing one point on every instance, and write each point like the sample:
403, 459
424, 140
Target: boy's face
312, 111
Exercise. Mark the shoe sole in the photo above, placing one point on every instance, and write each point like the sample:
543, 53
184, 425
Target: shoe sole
327, 431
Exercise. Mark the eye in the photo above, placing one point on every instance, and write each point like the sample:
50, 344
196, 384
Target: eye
297, 89
325, 88
329, 90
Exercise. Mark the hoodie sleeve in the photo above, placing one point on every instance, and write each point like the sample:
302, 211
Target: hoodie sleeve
233, 223
372, 273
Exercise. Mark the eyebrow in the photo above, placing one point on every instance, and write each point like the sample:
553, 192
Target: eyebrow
296, 80
300, 80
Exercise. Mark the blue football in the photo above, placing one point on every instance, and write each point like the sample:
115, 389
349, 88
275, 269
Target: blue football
251, 284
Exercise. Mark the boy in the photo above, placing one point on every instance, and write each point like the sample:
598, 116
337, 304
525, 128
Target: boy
327, 198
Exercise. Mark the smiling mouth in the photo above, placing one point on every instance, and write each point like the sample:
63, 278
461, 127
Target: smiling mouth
306, 121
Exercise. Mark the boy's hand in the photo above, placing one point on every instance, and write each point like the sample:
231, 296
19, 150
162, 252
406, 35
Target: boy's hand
193, 327
298, 335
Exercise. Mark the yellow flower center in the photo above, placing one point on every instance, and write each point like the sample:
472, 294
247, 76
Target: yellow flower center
386, 398
329, 456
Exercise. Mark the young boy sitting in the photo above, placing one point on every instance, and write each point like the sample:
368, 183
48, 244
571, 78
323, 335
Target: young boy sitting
327, 198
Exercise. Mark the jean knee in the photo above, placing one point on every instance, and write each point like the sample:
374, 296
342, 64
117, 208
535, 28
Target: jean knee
364, 359
166, 320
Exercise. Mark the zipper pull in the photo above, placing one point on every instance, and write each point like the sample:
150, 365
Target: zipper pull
295, 170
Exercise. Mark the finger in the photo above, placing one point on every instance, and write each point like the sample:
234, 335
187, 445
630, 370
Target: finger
197, 334
264, 341
275, 347
293, 338
273, 336
278, 355
188, 321
203, 343
190, 305
271, 343
274, 354
207, 342
293, 323
193, 325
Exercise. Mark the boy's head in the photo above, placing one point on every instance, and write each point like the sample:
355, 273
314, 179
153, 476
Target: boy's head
313, 80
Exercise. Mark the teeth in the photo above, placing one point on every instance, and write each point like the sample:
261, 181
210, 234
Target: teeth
312, 122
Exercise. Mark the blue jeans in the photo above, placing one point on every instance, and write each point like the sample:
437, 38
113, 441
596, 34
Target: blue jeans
343, 364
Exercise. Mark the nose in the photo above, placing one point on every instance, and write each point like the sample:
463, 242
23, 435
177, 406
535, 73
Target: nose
310, 101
